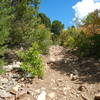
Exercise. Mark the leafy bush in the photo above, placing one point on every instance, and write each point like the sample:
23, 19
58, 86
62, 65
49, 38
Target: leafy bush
56, 39
88, 45
95, 45
71, 37
85, 45
43, 38
32, 62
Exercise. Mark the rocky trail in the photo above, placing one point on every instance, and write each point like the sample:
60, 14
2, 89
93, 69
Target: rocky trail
67, 77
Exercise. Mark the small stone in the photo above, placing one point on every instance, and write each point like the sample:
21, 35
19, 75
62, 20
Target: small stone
42, 96
1, 87
60, 80
12, 66
52, 80
73, 77
10, 74
77, 95
97, 64
16, 76
65, 61
59, 59
15, 89
20, 93
81, 88
65, 90
85, 97
22, 79
8, 67
83, 62
97, 96
54, 88
25, 97
37, 91
4, 80
4, 94
10, 85
30, 92
51, 59
11, 98
52, 95
13, 92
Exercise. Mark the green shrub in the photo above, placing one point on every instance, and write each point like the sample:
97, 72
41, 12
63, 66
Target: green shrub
95, 45
56, 39
71, 37
32, 62
83, 43
43, 38
77, 39
87, 45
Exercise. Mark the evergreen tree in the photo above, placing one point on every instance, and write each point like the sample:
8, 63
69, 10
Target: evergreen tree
25, 21
44, 20
57, 27
5, 22
36, 4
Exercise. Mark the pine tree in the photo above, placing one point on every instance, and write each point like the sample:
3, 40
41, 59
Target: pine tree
5, 22
25, 12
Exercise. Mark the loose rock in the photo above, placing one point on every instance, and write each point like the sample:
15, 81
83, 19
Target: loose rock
97, 96
52, 95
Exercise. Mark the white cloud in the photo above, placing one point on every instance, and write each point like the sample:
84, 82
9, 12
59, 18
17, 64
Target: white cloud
83, 7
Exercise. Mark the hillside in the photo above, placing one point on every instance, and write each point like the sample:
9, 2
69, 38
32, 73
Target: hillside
67, 77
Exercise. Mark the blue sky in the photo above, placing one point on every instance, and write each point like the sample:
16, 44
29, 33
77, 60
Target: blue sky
66, 10
59, 10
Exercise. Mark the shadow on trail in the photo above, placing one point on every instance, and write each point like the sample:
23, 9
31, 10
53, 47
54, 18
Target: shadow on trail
88, 70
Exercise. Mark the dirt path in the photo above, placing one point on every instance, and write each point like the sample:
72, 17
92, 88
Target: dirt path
66, 78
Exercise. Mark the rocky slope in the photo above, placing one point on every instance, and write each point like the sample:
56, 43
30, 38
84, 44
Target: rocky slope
67, 77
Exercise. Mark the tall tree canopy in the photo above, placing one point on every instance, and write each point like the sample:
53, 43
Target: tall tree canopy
92, 22
44, 20
6, 17
25, 21
57, 27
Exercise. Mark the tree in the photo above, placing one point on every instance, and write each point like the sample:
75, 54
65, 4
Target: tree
24, 24
6, 17
5, 21
26, 27
57, 27
92, 22
36, 4
44, 20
